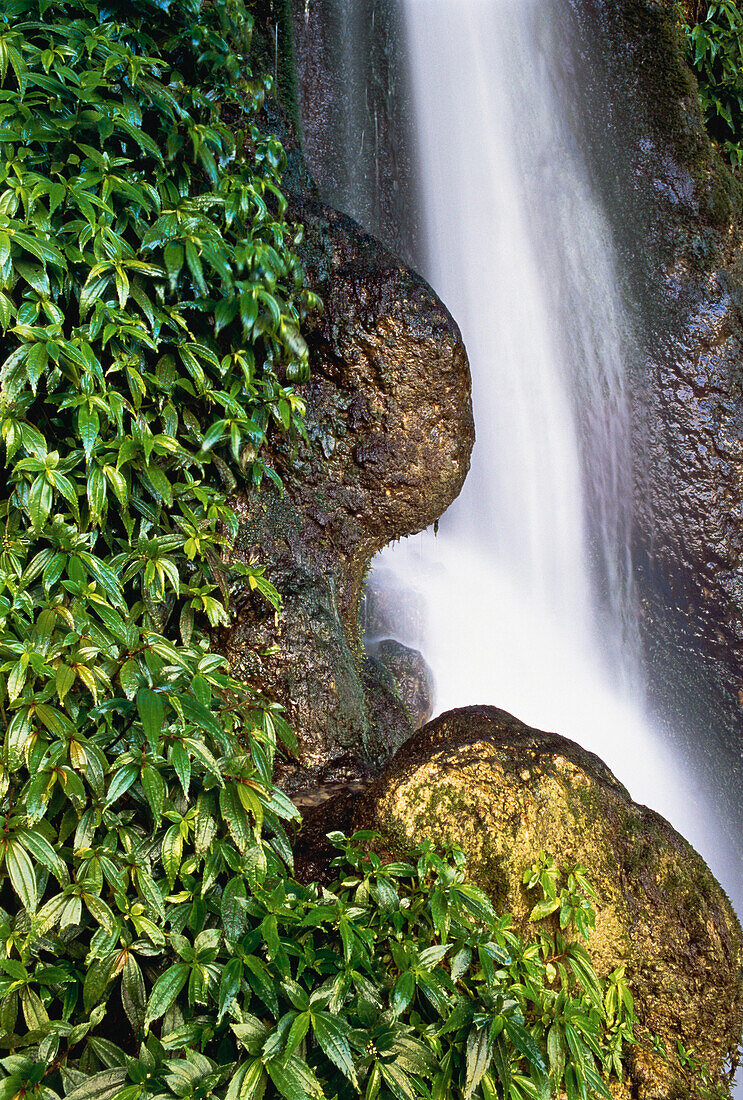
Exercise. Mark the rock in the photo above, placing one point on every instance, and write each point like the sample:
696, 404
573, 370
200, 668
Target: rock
678, 214
390, 720
377, 184
313, 852
504, 792
411, 676
386, 453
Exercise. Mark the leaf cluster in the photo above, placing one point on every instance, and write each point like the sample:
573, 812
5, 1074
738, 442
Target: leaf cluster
714, 48
398, 981
149, 304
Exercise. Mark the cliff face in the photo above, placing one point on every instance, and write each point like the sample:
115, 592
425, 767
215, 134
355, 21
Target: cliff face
678, 222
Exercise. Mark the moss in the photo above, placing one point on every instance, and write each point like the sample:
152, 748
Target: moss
504, 792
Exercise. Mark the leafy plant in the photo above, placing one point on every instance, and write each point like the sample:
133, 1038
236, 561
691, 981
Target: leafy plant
714, 42
398, 981
150, 304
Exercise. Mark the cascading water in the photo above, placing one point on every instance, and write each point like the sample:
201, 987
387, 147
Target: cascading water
527, 588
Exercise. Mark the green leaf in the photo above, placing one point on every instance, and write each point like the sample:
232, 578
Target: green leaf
248, 1083
22, 876
97, 978
294, 1079
556, 1051
154, 788
331, 1037
502, 1065
173, 256
133, 995
398, 1081
130, 677
165, 990
88, 426
40, 499
524, 1043
234, 908
298, 1030
262, 982
544, 908
171, 854
479, 1053
101, 913
152, 714
101, 1086
235, 818
121, 782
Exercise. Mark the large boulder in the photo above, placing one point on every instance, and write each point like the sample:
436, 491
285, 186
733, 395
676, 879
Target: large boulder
389, 435
505, 792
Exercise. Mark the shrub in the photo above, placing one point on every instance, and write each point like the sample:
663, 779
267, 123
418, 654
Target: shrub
150, 304
714, 43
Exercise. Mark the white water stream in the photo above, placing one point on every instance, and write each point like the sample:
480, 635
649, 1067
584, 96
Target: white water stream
527, 589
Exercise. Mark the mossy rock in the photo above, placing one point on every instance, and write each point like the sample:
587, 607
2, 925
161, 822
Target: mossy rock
386, 451
505, 792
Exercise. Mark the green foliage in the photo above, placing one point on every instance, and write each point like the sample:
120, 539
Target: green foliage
714, 44
689, 1068
399, 981
150, 303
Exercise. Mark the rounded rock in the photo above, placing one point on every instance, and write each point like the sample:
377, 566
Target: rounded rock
505, 792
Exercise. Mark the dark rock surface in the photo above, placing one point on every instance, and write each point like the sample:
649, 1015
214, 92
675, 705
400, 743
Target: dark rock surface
411, 676
679, 226
358, 46
389, 425
504, 792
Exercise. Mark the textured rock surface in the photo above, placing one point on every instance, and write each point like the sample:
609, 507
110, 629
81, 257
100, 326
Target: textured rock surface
679, 228
390, 431
411, 676
505, 792
358, 46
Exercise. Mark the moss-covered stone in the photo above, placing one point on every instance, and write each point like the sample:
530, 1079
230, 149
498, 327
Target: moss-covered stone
389, 435
505, 792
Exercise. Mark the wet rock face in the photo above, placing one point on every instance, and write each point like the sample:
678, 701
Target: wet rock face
412, 678
504, 792
679, 228
390, 430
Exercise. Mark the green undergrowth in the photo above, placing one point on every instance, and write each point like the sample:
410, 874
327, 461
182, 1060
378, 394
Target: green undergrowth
714, 47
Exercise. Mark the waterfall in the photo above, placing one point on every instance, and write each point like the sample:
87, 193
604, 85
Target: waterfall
526, 588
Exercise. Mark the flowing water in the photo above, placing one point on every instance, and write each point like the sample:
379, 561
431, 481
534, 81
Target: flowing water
526, 589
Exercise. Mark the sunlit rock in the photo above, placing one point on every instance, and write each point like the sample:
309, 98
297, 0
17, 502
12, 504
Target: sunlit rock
505, 792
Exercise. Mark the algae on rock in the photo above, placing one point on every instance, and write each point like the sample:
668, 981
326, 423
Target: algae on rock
505, 792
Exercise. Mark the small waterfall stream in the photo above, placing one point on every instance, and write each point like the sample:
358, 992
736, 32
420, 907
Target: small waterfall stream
526, 589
